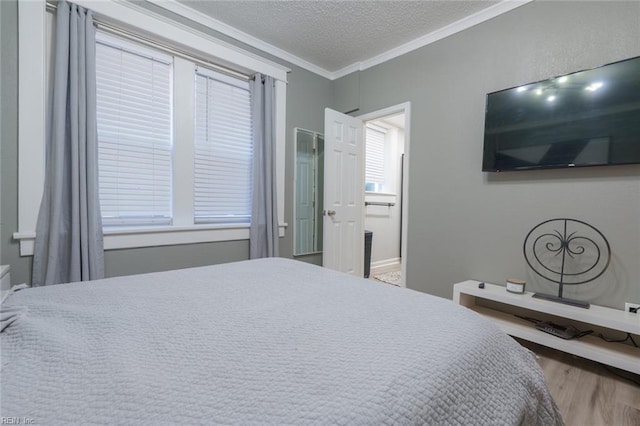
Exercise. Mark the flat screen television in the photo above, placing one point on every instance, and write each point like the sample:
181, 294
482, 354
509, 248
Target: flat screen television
587, 118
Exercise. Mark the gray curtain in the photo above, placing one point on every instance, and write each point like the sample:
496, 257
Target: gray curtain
68, 245
263, 235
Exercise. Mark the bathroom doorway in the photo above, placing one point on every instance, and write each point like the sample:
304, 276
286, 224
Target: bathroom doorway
386, 183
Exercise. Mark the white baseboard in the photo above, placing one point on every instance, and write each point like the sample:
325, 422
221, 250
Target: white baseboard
386, 265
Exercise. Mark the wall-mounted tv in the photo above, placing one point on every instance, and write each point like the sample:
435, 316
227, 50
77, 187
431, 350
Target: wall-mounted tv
587, 118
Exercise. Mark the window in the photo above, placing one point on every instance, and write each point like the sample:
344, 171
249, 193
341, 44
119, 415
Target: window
223, 149
374, 158
155, 223
134, 112
135, 138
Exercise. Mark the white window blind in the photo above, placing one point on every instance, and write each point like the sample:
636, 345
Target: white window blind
134, 112
374, 155
223, 149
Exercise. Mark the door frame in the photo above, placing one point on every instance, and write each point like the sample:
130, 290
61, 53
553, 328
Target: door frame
375, 115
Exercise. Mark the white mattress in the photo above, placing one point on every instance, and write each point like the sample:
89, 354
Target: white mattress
269, 341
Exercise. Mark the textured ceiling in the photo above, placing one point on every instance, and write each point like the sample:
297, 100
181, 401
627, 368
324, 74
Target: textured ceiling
335, 34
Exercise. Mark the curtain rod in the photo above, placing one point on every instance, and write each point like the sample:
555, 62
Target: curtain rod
122, 32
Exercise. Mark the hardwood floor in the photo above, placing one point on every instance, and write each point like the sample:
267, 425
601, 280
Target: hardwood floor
589, 393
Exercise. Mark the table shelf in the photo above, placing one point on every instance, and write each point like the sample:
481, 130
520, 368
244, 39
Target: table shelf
503, 305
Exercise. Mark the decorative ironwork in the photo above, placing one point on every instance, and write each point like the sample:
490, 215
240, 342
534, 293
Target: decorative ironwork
567, 252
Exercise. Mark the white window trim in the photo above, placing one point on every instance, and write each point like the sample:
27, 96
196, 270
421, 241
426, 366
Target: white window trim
31, 118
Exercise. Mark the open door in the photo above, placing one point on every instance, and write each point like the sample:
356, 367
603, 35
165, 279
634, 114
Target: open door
343, 235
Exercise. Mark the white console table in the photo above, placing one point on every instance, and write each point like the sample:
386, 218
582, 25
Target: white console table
499, 305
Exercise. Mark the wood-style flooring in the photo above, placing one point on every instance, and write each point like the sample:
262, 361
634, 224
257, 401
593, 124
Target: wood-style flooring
589, 393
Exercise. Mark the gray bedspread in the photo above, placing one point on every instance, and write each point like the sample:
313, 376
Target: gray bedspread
261, 342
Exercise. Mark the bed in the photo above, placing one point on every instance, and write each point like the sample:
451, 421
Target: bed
260, 342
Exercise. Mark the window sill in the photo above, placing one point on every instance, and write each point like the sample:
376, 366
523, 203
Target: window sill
122, 238
382, 194
380, 197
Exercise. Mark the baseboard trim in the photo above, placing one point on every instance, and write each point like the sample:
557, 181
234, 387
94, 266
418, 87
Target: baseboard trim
386, 265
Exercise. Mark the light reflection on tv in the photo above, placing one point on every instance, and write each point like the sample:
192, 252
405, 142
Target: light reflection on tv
585, 118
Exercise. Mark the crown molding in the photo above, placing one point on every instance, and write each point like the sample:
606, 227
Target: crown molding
458, 26
461, 25
209, 22
356, 66
132, 15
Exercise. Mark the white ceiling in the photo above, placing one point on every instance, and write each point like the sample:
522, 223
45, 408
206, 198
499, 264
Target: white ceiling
334, 38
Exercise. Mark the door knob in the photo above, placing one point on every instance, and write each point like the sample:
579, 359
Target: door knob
329, 212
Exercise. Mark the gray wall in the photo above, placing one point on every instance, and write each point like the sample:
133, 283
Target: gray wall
466, 224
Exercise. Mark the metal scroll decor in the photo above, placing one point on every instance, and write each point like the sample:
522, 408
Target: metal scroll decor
567, 252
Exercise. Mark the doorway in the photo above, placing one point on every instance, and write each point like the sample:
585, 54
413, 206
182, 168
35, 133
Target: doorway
386, 188
343, 210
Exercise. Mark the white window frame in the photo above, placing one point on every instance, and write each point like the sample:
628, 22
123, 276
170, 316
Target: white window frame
31, 119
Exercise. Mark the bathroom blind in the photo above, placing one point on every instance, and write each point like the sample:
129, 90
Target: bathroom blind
374, 155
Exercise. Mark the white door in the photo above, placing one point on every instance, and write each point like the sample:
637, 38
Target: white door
343, 236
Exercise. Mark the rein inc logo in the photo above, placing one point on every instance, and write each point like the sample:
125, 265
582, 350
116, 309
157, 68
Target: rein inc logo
17, 421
